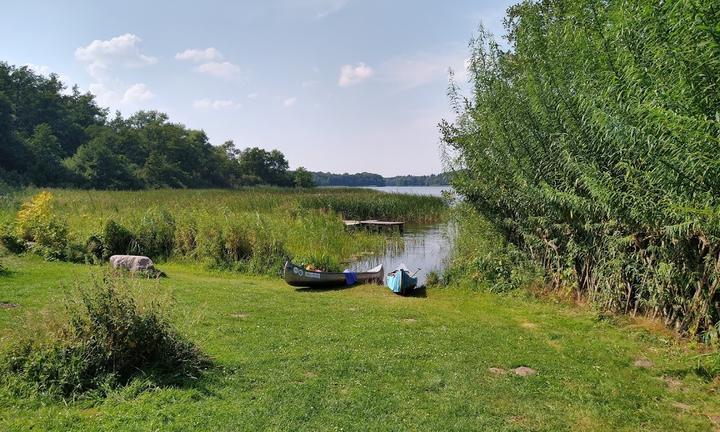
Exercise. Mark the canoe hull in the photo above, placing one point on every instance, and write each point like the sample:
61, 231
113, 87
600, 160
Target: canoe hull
400, 282
297, 276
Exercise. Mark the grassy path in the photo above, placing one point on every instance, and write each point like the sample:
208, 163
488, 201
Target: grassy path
364, 359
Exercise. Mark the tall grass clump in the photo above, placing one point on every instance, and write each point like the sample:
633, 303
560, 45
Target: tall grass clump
591, 144
103, 339
483, 258
382, 206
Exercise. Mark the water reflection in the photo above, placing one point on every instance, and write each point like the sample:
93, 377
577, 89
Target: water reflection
425, 246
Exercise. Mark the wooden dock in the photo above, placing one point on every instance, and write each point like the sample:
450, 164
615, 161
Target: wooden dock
375, 225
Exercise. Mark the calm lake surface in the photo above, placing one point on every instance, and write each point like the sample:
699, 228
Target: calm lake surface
423, 246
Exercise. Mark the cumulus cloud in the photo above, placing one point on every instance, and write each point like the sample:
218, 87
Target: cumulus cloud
289, 102
137, 93
352, 75
123, 50
103, 58
199, 55
217, 104
219, 69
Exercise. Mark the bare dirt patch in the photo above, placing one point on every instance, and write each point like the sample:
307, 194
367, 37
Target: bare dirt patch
673, 384
524, 371
408, 320
681, 406
497, 371
554, 344
528, 325
310, 374
643, 363
8, 305
239, 315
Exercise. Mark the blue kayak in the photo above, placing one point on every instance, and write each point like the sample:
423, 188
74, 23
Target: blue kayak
400, 281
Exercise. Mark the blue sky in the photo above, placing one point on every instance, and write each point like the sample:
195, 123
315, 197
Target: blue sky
336, 85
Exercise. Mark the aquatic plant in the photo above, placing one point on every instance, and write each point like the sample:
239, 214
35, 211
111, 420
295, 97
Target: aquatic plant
591, 145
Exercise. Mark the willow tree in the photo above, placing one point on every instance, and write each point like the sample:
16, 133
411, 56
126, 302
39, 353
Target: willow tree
593, 143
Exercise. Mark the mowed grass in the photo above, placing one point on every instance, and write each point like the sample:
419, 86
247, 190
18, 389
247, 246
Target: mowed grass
365, 359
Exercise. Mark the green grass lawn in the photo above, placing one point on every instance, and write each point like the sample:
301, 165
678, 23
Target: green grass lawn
365, 359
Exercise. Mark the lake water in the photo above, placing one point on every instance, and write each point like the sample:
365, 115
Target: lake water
423, 246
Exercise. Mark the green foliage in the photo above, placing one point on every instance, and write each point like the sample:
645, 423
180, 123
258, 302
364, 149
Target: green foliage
47, 168
483, 257
383, 206
38, 227
591, 146
303, 178
358, 179
104, 340
433, 279
116, 240
268, 167
155, 234
98, 164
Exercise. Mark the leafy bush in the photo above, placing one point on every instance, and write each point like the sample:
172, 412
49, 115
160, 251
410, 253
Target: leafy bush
116, 239
40, 229
10, 241
104, 341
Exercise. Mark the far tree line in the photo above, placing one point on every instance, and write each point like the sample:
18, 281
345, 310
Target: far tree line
51, 138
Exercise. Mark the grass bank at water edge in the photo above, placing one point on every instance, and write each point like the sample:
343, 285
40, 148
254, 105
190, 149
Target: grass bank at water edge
365, 359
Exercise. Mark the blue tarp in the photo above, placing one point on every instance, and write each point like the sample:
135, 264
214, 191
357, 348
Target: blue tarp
394, 281
350, 277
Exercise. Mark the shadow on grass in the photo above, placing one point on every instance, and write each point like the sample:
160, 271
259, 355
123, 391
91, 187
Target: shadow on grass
420, 292
322, 289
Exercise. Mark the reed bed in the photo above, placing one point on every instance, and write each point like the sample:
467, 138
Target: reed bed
252, 230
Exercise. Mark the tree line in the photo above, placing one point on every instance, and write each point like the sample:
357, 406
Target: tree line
591, 143
49, 137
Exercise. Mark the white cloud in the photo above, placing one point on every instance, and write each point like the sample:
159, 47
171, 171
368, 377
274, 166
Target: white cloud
219, 69
289, 102
100, 55
420, 69
137, 93
219, 104
330, 7
199, 55
252, 96
102, 58
352, 75
47, 71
